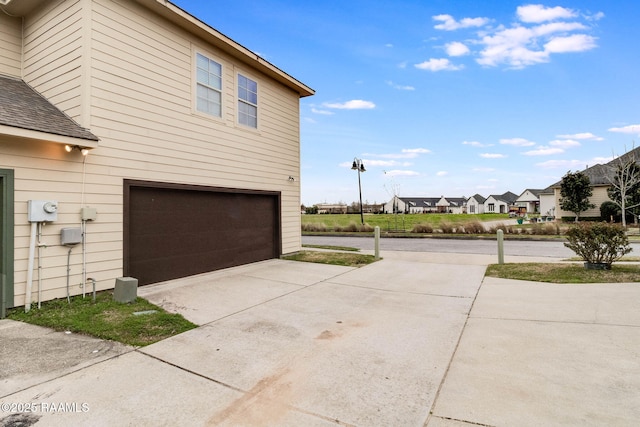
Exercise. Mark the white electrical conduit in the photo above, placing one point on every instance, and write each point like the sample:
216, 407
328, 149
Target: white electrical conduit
39, 265
84, 258
32, 250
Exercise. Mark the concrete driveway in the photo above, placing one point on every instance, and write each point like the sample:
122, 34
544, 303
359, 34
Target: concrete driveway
412, 340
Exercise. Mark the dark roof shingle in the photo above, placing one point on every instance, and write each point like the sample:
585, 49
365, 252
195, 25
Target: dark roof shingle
22, 107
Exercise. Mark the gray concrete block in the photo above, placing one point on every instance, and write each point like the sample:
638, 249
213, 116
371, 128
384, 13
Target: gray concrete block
126, 289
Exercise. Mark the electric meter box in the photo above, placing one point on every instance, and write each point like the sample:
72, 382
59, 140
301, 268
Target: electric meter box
42, 210
70, 236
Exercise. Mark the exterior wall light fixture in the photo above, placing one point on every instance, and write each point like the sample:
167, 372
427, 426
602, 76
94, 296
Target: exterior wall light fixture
70, 148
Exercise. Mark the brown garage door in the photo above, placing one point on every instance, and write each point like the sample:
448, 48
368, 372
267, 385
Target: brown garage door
174, 231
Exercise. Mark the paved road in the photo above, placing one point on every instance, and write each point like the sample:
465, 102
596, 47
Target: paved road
460, 246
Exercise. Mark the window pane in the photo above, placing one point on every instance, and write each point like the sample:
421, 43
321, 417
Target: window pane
208, 86
202, 76
253, 98
215, 68
202, 62
215, 82
252, 86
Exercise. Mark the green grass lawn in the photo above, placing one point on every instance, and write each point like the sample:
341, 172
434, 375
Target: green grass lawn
564, 273
400, 222
334, 258
106, 319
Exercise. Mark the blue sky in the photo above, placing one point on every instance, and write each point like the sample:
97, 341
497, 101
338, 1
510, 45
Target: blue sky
447, 98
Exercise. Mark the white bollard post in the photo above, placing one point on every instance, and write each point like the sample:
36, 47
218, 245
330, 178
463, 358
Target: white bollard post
500, 247
376, 233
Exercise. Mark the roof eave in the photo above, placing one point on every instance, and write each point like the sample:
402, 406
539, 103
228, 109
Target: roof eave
34, 135
202, 30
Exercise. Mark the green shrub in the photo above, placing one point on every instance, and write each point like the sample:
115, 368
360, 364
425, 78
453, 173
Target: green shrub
598, 243
609, 211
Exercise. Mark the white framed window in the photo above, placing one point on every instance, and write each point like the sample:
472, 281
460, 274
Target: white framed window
491, 207
247, 102
208, 86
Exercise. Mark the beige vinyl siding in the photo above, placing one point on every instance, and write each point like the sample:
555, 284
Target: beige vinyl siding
599, 196
47, 172
142, 109
10, 45
53, 53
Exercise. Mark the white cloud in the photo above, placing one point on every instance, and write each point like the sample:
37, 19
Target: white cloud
450, 24
323, 112
401, 173
441, 64
556, 27
630, 129
355, 104
416, 150
493, 156
564, 143
539, 13
572, 43
518, 142
520, 46
476, 144
595, 17
400, 87
582, 135
564, 164
384, 163
456, 49
388, 45
442, 173
406, 153
540, 32
543, 151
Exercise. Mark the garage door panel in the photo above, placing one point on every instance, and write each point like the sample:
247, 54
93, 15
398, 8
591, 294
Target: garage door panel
172, 233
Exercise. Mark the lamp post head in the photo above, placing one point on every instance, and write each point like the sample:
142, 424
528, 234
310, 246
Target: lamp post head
358, 165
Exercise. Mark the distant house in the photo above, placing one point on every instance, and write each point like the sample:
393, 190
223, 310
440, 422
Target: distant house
547, 202
529, 199
475, 204
499, 203
600, 177
328, 208
425, 205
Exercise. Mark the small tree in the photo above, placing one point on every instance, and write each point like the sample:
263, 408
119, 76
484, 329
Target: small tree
609, 211
575, 190
625, 186
598, 243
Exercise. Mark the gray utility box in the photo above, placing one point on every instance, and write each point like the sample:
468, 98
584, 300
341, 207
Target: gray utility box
126, 289
42, 210
70, 236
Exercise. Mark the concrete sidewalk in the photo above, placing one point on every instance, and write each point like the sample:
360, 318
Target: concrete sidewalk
413, 340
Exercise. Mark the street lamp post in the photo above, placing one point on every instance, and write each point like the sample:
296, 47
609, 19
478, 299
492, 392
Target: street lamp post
359, 166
